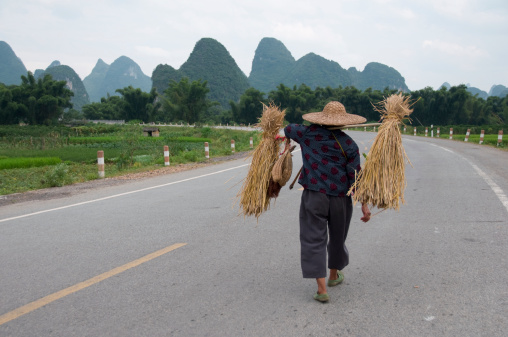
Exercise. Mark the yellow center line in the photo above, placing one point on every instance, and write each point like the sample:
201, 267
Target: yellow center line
82, 285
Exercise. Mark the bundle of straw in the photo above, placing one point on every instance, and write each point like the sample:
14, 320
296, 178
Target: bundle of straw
254, 194
382, 181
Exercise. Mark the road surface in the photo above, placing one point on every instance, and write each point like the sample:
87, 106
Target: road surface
170, 256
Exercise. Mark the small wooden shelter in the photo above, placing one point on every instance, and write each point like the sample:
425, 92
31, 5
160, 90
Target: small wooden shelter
151, 132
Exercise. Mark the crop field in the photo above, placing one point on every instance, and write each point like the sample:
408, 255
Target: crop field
34, 157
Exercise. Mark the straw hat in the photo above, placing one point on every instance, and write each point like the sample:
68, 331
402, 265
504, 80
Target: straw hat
334, 113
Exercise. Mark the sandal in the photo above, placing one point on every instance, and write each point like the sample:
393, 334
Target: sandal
321, 297
340, 278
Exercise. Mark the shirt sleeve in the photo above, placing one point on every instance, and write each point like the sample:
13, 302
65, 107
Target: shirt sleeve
353, 166
295, 132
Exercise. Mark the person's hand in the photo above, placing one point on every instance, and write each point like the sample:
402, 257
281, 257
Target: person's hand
366, 213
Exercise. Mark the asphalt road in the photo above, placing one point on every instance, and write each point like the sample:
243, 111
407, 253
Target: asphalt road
81, 265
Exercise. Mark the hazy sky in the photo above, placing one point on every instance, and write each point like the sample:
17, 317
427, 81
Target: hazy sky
427, 41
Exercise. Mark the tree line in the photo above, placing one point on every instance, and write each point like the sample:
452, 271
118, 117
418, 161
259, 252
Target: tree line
454, 106
45, 101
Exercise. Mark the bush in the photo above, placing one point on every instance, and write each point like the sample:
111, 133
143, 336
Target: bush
58, 176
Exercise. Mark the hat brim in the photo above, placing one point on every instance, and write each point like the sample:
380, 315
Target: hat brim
341, 120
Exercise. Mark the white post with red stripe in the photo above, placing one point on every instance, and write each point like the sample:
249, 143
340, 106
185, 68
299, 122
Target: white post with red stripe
482, 136
437, 132
426, 131
207, 151
451, 133
468, 132
100, 163
414, 132
166, 155
233, 145
499, 137
251, 143
404, 129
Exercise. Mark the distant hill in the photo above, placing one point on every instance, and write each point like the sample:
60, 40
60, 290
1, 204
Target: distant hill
65, 73
55, 63
273, 64
211, 62
472, 90
123, 72
378, 76
162, 75
479, 92
272, 61
498, 90
93, 82
316, 71
11, 67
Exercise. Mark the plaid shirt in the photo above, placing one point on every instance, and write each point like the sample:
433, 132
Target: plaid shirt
325, 168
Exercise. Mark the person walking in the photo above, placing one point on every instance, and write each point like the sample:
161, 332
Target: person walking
331, 161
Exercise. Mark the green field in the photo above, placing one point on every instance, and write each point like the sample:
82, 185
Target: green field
39, 157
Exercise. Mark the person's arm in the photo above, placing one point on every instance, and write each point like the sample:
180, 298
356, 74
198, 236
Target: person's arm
294, 132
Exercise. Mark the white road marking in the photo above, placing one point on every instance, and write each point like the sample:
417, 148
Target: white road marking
495, 187
120, 194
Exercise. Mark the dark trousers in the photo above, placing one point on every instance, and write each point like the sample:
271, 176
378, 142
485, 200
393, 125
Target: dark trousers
323, 216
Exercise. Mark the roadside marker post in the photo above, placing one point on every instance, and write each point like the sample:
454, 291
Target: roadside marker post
499, 137
467, 135
166, 155
251, 143
207, 151
100, 163
438, 132
414, 133
482, 136
232, 145
426, 131
451, 133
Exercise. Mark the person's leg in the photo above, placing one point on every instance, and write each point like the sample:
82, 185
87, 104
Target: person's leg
338, 226
321, 283
313, 236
